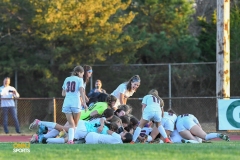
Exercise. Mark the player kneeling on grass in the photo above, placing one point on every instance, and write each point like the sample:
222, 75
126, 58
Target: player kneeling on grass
188, 125
152, 109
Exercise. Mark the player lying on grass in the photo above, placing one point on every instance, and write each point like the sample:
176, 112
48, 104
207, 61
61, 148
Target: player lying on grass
56, 128
188, 125
152, 109
111, 138
82, 129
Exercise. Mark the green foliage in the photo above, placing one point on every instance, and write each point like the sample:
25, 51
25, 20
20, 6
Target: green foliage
207, 39
166, 23
43, 39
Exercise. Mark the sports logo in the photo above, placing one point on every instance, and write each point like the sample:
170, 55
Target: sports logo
21, 147
229, 114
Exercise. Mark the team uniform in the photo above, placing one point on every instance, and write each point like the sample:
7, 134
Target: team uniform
152, 111
96, 138
100, 107
122, 88
72, 102
168, 121
84, 127
186, 122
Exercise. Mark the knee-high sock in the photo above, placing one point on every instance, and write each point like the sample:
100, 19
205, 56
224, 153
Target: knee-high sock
51, 134
211, 136
71, 132
162, 131
136, 133
47, 124
55, 140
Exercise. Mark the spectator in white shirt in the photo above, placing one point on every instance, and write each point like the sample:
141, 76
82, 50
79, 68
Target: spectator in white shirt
7, 93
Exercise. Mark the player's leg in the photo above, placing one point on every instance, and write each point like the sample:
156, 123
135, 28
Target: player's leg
197, 131
186, 134
162, 132
154, 132
137, 131
71, 129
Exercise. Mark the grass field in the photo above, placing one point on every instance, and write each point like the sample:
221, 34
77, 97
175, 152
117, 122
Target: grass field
219, 150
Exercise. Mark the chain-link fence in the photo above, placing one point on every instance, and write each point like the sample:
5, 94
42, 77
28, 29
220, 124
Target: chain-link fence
185, 87
50, 109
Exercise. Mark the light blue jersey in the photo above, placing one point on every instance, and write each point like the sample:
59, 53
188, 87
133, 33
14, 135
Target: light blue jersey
92, 127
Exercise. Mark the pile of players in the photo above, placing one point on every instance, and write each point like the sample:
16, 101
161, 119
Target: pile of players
106, 118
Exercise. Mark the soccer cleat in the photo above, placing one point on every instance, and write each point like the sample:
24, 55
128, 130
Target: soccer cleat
224, 137
132, 142
33, 124
70, 142
167, 140
184, 141
34, 139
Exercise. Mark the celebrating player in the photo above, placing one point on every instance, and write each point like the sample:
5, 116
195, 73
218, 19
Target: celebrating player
152, 108
126, 90
72, 89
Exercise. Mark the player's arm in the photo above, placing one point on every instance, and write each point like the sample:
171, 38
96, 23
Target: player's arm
122, 99
82, 93
143, 106
94, 113
63, 93
100, 128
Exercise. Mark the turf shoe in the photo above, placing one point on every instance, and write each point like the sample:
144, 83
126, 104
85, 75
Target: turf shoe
224, 137
33, 124
184, 141
132, 142
34, 139
167, 140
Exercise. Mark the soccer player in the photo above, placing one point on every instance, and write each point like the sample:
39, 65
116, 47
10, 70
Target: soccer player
168, 123
126, 90
188, 125
72, 89
111, 138
152, 108
98, 108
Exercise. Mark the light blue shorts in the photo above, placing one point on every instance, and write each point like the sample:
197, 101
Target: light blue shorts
71, 110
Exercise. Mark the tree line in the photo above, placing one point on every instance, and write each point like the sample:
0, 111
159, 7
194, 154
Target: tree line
43, 40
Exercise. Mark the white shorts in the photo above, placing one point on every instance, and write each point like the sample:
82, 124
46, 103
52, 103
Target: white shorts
167, 124
71, 110
184, 123
81, 130
152, 116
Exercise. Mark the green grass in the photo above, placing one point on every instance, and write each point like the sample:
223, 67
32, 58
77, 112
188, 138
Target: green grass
210, 151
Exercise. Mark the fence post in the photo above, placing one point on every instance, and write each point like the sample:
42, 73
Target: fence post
170, 85
54, 110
